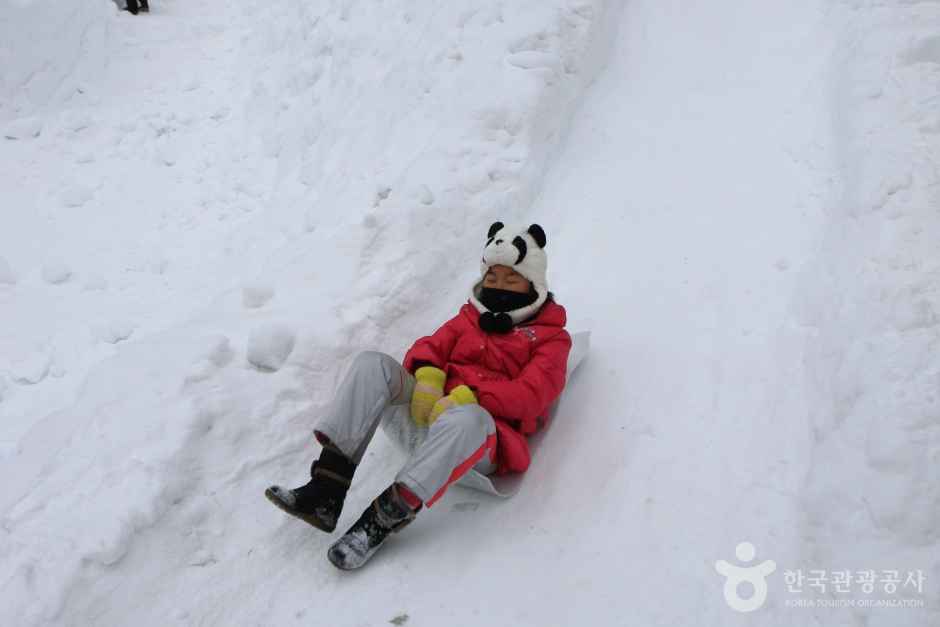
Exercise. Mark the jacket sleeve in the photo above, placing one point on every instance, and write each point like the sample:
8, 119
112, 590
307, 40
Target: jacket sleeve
433, 349
538, 384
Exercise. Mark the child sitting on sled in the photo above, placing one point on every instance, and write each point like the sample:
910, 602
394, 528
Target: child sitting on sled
465, 397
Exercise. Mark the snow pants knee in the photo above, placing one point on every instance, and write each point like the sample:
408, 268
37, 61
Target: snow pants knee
377, 390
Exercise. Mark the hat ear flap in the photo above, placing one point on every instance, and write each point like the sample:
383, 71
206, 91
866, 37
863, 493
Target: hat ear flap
538, 235
494, 228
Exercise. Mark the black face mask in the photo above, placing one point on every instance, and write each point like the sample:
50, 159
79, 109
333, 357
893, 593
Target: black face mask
497, 300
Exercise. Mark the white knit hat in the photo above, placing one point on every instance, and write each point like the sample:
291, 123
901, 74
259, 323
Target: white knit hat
522, 249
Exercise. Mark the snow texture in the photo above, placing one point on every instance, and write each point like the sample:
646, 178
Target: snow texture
55, 272
210, 211
113, 331
270, 345
256, 294
7, 277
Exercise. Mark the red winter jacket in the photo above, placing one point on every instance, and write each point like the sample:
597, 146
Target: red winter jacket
515, 376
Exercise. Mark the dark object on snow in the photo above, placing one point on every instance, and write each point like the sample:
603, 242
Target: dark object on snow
142, 7
320, 501
388, 513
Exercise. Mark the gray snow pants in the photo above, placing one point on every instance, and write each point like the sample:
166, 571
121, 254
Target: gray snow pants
377, 390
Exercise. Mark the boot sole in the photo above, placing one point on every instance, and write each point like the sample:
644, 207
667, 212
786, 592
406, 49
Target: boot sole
310, 519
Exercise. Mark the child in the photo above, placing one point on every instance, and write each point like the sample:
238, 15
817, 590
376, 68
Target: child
464, 397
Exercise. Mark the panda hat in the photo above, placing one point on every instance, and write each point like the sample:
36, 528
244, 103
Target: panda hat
522, 249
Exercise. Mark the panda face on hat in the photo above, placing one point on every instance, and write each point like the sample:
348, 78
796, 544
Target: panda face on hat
523, 250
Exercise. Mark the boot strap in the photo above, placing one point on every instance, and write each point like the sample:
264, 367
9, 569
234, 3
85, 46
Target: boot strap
335, 476
387, 521
335, 466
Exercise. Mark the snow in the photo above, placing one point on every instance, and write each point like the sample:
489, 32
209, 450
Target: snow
23, 128
31, 370
56, 271
256, 294
270, 345
76, 195
873, 361
7, 276
46, 50
113, 331
208, 213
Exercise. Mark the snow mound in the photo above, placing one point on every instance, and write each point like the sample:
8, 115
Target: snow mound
270, 345
23, 128
76, 195
113, 331
56, 271
256, 294
32, 369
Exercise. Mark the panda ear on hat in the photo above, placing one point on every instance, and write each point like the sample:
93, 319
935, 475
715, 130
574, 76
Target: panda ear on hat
536, 232
494, 229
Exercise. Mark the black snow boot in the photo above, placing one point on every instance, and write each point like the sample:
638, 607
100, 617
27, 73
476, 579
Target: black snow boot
132, 7
388, 513
320, 502
144, 6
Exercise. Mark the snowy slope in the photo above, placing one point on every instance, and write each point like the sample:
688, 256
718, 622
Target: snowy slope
873, 490
740, 208
327, 169
699, 146
47, 50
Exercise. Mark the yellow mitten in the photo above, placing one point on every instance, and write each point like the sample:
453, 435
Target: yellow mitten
429, 388
460, 395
